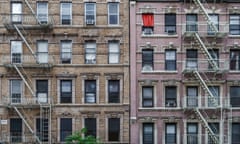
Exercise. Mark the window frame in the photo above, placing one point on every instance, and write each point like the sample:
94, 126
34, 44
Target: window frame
191, 59
148, 23
112, 123
112, 53
145, 134
69, 8
234, 27
234, 134
147, 99
170, 25
90, 51
92, 91
40, 92
214, 89
16, 98
43, 16
216, 130
16, 57
234, 96
191, 25
16, 15
114, 96
41, 54
170, 63
90, 21
16, 134
68, 96
116, 14
192, 137
92, 123
147, 59
68, 49
215, 56
192, 99
234, 59
172, 135
170, 101
41, 124
216, 23
64, 129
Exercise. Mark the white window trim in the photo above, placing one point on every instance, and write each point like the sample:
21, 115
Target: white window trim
155, 132
97, 90
85, 11
71, 48
22, 57
61, 12
177, 96
199, 95
117, 42
49, 96
59, 88
110, 15
10, 89
46, 9
185, 130
43, 52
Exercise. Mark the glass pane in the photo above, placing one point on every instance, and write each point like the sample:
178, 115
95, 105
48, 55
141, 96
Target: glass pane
16, 46
170, 55
113, 8
147, 92
113, 58
114, 47
66, 8
42, 46
16, 86
16, 8
171, 129
66, 86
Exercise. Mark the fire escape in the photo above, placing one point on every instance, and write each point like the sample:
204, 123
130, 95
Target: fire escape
203, 77
23, 28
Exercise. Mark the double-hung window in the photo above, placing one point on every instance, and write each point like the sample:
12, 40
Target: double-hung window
16, 130
42, 51
234, 26
16, 12
215, 100
42, 12
114, 129
191, 22
148, 133
113, 91
42, 90
16, 51
147, 59
66, 51
192, 133
42, 129
192, 93
148, 23
235, 133
170, 60
215, 20
113, 13
114, 52
65, 128
215, 129
66, 13
90, 13
192, 59
170, 133
170, 23
234, 59
90, 53
170, 96
65, 91
215, 56
147, 96
90, 91
235, 96
16, 91
91, 126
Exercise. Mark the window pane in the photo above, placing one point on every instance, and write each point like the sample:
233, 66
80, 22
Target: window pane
235, 96
65, 128
66, 91
16, 129
16, 91
42, 129
90, 125
147, 96
113, 91
147, 59
89, 12
42, 11
90, 91
90, 53
148, 133
235, 133
66, 13
113, 129
170, 134
113, 13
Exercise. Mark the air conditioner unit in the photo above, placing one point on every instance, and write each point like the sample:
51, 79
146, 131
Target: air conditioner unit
90, 21
170, 104
90, 61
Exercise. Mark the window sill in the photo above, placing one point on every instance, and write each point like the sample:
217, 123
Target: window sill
234, 36
158, 108
158, 71
234, 71
160, 35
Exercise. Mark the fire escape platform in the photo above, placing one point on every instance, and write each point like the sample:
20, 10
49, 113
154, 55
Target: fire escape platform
40, 66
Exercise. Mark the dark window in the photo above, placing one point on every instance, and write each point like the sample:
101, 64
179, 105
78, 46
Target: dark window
192, 59
235, 96
113, 13
16, 12
215, 56
16, 91
90, 91
113, 91
192, 93
147, 96
234, 59
113, 129
66, 13
170, 133
215, 128
90, 12
148, 23
42, 90
16, 130
170, 60
235, 133
170, 23
66, 91
91, 126
234, 26
66, 51
65, 128
215, 100
192, 133
147, 59
42, 129
148, 133
215, 20
171, 96
191, 22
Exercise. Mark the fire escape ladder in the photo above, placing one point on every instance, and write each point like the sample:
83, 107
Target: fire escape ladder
206, 126
206, 52
26, 123
31, 9
206, 16
45, 120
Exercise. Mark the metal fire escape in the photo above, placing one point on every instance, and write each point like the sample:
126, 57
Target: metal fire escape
45, 108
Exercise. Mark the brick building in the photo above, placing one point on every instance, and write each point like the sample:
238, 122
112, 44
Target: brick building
185, 84
64, 66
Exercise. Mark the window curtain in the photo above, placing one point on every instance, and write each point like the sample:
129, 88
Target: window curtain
148, 20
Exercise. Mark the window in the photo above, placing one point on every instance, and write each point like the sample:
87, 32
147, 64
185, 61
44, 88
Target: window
90, 13
148, 23
16, 130
235, 96
65, 128
42, 12
170, 23
148, 133
147, 59
114, 52
113, 13
234, 26
66, 91
170, 60
42, 90
16, 51
90, 53
90, 91
171, 96
234, 59
16, 91
16, 12
212, 102
192, 133
192, 59
215, 128
66, 13
147, 96
114, 129
113, 91
192, 93
42, 51
191, 22
170, 133
42, 129
235, 133
66, 51
215, 56
215, 20
91, 126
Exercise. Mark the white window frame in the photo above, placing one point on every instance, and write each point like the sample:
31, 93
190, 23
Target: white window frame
16, 13
70, 12
90, 53
114, 51
42, 51
16, 48
11, 91
113, 14
66, 48
59, 89
90, 21
44, 14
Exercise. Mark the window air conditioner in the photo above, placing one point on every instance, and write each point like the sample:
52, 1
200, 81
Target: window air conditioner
90, 22
170, 104
90, 61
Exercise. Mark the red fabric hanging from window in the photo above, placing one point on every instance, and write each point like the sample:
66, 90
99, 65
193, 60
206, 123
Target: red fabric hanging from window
148, 20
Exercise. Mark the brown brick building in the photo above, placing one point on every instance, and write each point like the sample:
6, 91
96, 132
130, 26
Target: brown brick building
64, 65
